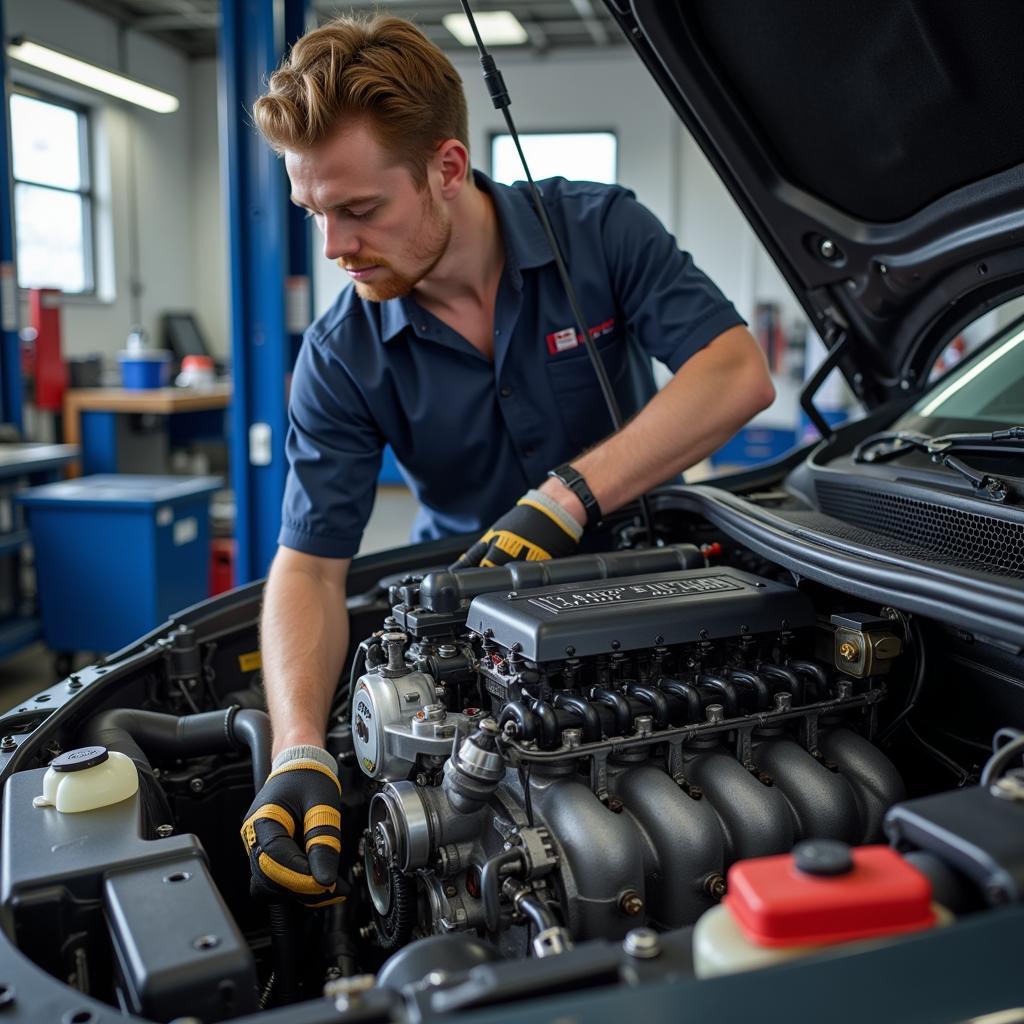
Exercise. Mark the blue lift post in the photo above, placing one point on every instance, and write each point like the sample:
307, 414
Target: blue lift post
10, 349
268, 246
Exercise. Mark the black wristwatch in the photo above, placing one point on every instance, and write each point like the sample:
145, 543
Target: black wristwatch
573, 479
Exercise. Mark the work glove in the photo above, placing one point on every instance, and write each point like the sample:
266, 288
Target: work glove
535, 529
292, 831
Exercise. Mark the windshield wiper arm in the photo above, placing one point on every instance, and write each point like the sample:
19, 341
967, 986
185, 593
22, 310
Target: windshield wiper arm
887, 446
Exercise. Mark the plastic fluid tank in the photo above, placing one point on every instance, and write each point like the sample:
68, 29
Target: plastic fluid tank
86, 778
822, 894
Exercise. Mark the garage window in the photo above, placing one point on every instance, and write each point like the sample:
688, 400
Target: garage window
578, 156
53, 200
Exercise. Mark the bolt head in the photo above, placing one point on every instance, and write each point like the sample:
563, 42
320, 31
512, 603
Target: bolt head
828, 249
642, 943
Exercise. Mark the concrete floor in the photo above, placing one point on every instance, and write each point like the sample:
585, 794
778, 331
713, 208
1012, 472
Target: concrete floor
31, 670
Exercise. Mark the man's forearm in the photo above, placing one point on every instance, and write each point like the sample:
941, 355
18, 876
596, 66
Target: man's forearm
711, 397
304, 640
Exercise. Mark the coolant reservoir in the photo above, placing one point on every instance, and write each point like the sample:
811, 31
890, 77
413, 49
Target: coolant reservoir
822, 894
87, 778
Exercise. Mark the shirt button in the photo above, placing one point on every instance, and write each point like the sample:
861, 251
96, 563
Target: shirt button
505, 392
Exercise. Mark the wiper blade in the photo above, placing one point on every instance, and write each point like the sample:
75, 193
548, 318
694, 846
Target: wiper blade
887, 446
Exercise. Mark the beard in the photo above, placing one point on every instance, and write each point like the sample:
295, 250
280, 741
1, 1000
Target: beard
424, 254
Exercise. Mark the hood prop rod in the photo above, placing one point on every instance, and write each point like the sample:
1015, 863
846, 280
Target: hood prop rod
495, 82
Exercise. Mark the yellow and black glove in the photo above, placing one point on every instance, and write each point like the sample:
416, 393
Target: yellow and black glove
292, 831
536, 529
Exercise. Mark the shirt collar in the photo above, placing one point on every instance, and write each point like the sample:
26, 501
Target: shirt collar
526, 247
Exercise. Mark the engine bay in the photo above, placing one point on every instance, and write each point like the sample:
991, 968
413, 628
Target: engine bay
548, 771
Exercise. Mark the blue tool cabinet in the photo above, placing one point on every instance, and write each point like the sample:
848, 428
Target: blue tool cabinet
116, 555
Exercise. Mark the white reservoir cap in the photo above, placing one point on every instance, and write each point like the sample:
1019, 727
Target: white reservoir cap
87, 778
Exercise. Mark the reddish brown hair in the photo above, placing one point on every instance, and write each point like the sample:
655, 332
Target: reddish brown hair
382, 69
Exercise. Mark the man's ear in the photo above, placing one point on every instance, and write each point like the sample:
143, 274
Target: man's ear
451, 160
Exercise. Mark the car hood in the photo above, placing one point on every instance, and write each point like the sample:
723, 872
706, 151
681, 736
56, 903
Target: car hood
872, 145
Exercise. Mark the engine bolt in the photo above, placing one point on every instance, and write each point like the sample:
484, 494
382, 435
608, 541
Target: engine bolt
631, 903
765, 779
715, 713
715, 887
614, 805
447, 651
844, 689
8, 743
828, 249
196, 785
572, 738
849, 651
783, 701
450, 890
643, 725
642, 943
163, 831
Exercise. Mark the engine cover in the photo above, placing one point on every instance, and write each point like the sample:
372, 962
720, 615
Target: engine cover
638, 612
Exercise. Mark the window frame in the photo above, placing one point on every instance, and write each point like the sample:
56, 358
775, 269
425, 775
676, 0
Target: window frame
496, 133
86, 189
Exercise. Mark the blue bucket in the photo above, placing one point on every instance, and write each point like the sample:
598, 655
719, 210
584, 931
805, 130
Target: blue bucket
145, 368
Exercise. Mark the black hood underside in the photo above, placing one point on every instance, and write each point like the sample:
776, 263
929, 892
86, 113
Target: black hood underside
873, 145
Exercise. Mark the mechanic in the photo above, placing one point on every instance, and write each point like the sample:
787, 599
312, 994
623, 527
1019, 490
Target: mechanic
457, 346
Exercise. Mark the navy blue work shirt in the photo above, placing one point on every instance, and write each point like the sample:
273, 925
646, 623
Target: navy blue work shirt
472, 436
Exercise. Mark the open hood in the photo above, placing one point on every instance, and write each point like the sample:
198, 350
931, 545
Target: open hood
874, 146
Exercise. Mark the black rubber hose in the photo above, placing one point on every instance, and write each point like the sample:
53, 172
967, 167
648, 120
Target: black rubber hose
131, 732
814, 672
619, 705
251, 728
525, 720
578, 706
537, 912
722, 686
688, 695
550, 734
788, 679
654, 699
498, 867
285, 943
747, 680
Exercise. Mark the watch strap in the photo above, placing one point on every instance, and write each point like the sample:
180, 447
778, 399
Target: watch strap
573, 479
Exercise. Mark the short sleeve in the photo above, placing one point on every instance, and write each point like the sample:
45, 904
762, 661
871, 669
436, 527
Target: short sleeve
671, 307
334, 454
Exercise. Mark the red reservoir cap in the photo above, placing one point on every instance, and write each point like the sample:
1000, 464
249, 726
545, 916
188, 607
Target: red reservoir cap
825, 892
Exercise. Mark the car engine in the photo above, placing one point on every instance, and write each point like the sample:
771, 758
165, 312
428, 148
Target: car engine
570, 756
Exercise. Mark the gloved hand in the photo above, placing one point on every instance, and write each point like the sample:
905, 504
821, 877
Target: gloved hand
535, 529
292, 831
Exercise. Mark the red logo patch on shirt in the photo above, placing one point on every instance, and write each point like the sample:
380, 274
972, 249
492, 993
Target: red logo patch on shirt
568, 338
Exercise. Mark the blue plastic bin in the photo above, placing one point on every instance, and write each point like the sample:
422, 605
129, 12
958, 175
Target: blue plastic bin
116, 555
145, 369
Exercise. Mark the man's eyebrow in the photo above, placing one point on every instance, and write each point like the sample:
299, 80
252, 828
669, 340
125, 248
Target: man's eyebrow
346, 205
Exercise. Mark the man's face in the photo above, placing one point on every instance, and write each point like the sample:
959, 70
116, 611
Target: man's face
376, 224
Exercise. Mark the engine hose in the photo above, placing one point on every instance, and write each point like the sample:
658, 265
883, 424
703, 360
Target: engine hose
654, 699
722, 686
619, 705
524, 719
394, 929
131, 732
578, 706
285, 943
503, 864
814, 673
550, 734
540, 916
747, 680
686, 693
790, 681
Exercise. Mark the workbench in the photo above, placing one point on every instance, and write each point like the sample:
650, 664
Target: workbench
21, 465
92, 417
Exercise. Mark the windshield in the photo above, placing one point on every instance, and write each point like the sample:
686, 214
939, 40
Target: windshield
987, 390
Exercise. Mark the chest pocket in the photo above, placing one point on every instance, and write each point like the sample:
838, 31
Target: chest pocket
577, 393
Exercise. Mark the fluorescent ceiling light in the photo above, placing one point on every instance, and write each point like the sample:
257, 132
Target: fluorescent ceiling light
497, 28
91, 76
